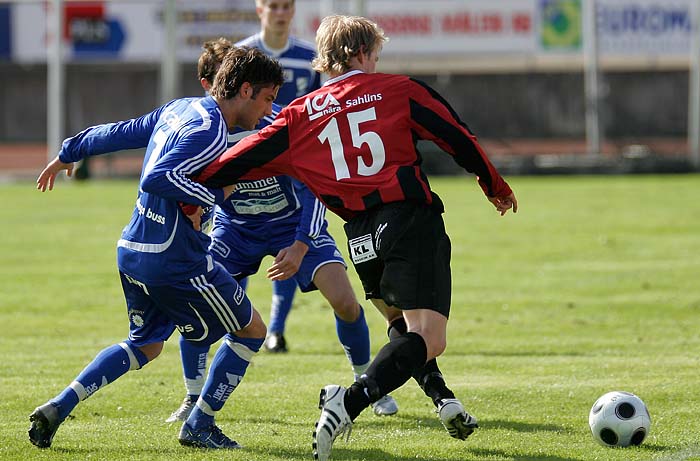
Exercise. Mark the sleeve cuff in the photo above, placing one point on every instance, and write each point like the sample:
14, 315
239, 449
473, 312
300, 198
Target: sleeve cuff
302, 237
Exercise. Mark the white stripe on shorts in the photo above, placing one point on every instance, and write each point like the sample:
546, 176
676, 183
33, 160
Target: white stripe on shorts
217, 303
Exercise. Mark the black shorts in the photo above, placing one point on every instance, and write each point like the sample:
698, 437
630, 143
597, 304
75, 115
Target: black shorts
402, 254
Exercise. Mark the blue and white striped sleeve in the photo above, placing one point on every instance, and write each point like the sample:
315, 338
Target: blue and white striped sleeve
109, 137
313, 214
170, 175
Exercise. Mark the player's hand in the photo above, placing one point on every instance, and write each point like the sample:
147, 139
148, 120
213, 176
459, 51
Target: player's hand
196, 217
48, 176
503, 204
287, 261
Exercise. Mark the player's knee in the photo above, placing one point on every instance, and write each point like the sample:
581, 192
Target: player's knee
435, 345
255, 329
151, 351
347, 308
137, 355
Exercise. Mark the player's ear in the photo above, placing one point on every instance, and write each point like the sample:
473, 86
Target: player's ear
246, 90
364, 53
205, 84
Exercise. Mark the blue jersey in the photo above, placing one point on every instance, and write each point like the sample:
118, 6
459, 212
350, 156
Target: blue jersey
295, 58
277, 200
159, 245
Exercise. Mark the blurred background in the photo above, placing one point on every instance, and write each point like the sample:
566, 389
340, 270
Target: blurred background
548, 86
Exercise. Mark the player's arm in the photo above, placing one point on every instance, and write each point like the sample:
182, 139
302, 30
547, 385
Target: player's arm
169, 175
313, 214
435, 120
260, 155
97, 140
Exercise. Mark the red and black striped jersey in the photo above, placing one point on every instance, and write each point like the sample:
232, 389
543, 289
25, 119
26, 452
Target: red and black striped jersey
353, 143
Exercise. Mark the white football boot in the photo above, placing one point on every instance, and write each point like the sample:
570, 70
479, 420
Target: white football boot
386, 406
456, 420
183, 412
334, 421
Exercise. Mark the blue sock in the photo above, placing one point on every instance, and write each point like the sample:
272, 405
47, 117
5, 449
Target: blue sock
354, 336
282, 298
111, 363
227, 370
194, 365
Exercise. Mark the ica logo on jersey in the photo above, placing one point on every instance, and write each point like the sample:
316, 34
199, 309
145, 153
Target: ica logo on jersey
321, 104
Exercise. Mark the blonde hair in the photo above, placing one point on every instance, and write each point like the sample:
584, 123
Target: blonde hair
340, 38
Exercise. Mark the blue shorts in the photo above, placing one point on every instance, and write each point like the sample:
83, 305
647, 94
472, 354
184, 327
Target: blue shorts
241, 249
203, 308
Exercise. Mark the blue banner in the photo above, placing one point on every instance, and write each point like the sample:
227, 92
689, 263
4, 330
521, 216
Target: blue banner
5, 32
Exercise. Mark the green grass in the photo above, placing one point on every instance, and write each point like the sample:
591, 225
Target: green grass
593, 286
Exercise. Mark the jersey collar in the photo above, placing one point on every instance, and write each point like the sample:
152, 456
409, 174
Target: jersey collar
342, 77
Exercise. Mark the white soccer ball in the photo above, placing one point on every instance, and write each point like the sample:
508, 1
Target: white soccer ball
619, 419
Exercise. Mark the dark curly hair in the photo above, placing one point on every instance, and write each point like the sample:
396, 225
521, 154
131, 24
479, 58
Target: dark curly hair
244, 64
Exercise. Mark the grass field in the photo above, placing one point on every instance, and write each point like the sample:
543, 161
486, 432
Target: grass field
593, 286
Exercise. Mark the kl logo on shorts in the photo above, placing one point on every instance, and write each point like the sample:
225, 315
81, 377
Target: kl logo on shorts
362, 249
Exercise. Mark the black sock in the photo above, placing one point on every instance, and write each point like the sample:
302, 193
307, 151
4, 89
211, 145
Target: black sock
428, 377
391, 368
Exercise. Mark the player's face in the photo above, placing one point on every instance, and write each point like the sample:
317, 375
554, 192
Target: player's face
276, 15
258, 107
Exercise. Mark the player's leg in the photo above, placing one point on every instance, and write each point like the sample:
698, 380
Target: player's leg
395, 363
282, 298
194, 367
429, 378
146, 323
401, 253
227, 371
350, 324
226, 250
222, 308
340, 406
432, 326
429, 269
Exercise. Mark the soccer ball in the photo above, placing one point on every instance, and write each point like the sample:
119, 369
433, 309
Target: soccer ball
619, 419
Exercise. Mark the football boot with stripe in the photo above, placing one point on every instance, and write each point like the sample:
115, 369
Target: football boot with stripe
334, 421
456, 420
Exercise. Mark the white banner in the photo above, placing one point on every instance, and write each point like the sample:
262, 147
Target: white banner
443, 26
498, 29
644, 27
